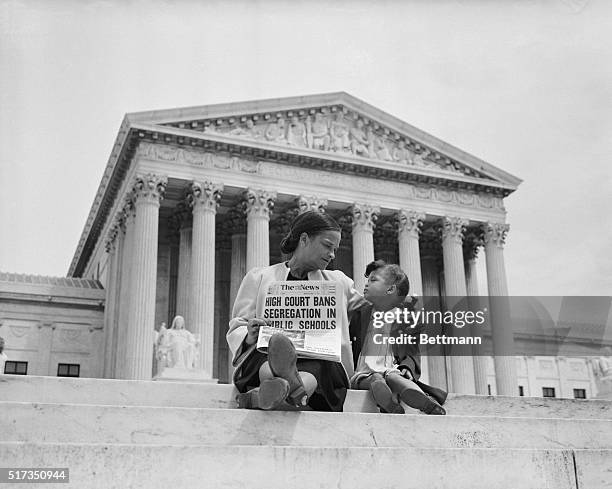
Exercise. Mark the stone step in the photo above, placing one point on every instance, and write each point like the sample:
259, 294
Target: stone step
148, 393
78, 423
107, 466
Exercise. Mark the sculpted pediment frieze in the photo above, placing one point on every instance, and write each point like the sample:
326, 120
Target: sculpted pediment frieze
334, 130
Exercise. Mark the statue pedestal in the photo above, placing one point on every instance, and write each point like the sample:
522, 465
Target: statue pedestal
175, 374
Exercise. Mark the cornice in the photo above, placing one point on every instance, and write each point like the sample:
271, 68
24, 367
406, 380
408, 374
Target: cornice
268, 108
145, 127
312, 158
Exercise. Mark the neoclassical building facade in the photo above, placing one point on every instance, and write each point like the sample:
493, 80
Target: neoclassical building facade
193, 198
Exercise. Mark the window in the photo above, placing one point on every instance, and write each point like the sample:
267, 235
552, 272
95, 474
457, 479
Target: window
489, 388
68, 369
521, 391
16, 368
579, 393
548, 391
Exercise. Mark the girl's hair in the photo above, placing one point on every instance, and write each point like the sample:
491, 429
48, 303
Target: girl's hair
310, 222
394, 275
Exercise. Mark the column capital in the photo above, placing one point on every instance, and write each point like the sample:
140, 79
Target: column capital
310, 203
364, 216
149, 188
258, 203
410, 222
205, 196
494, 233
452, 228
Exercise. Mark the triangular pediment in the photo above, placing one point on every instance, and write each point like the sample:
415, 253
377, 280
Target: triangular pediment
334, 123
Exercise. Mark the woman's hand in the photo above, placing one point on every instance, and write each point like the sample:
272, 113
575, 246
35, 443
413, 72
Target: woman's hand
253, 330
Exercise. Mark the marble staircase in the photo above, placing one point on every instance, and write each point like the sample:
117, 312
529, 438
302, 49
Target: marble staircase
137, 434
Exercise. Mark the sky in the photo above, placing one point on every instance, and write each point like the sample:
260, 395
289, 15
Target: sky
525, 86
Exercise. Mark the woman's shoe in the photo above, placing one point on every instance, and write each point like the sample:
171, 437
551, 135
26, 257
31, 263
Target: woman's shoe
282, 359
269, 395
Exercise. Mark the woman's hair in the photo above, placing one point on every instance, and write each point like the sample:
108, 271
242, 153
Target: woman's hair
310, 222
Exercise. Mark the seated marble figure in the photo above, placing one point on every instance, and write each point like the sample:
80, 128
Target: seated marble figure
176, 347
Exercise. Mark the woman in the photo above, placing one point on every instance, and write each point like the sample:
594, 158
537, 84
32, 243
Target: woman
265, 381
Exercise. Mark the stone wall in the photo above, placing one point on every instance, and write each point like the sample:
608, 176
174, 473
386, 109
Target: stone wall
46, 321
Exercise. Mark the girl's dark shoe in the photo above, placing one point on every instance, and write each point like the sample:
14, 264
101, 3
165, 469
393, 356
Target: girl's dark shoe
282, 359
384, 398
421, 401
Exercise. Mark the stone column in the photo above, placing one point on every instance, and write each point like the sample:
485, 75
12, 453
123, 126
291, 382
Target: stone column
480, 361
364, 218
501, 327
148, 191
184, 273
409, 227
462, 367
257, 206
223, 264
238, 237
127, 219
110, 325
429, 244
236, 228
119, 258
204, 198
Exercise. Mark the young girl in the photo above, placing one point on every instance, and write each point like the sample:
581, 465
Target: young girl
389, 370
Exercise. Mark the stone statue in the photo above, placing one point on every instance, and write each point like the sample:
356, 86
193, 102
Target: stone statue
420, 158
250, 131
276, 131
360, 145
296, 133
339, 133
602, 368
382, 152
241, 131
318, 133
401, 154
176, 347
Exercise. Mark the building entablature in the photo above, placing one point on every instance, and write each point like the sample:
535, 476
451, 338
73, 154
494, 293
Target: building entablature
334, 122
244, 146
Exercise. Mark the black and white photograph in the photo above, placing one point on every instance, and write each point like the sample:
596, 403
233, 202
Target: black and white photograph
444, 166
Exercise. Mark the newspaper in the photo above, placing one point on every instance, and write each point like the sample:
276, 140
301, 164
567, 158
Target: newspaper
307, 313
